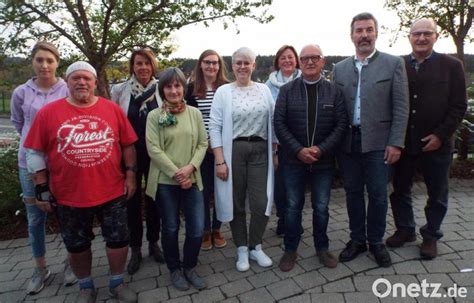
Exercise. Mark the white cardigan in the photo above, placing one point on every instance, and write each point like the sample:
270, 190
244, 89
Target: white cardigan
120, 94
220, 132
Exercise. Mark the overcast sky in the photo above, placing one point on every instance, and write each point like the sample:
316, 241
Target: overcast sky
297, 23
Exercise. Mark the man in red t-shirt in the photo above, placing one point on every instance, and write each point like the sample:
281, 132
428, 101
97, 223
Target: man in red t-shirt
80, 151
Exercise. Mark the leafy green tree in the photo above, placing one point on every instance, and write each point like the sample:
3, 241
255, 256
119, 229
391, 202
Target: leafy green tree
454, 17
103, 31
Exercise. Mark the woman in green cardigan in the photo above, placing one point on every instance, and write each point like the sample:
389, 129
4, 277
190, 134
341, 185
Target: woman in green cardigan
177, 142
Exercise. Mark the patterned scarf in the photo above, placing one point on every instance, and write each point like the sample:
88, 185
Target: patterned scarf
137, 89
167, 112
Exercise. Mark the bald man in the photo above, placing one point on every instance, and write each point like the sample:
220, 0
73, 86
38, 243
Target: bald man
438, 103
310, 119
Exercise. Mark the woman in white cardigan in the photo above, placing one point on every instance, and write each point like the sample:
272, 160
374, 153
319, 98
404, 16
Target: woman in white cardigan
243, 142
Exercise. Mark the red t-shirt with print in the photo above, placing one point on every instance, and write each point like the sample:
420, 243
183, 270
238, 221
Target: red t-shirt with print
83, 150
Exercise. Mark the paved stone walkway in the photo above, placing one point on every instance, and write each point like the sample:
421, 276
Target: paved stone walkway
307, 282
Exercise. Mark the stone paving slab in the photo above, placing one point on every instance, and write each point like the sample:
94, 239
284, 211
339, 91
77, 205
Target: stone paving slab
309, 281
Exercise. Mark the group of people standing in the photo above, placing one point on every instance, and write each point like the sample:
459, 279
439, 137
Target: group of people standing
245, 143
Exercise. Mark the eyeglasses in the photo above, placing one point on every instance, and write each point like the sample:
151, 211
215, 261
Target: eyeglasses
209, 62
306, 59
426, 34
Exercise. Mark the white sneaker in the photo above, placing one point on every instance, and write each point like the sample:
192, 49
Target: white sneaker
258, 255
36, 284
69, 277
242, 263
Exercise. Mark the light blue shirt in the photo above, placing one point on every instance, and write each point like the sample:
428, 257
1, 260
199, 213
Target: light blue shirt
359, 64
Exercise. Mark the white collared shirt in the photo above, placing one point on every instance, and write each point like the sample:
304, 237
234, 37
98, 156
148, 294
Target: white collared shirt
359, 64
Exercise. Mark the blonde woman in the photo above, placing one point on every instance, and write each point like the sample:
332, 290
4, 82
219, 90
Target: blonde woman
27, 99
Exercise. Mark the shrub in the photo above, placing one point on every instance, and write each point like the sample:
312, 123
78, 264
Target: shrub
10, 189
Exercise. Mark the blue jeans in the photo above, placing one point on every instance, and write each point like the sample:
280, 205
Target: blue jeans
360, 171
435, 170
207, 173
320, 180
36, 217
171, 199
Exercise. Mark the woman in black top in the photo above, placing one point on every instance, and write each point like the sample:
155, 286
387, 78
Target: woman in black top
209, 73
137, 97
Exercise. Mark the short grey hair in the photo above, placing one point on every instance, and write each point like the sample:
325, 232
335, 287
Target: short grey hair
244, 52
170, 75
312, 45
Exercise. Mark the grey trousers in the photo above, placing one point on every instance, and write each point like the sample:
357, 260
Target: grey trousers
249, 175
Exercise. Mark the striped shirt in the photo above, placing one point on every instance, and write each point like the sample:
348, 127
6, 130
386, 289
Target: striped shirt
204, 105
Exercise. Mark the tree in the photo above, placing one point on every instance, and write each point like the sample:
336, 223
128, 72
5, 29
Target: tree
454, 17
103, 31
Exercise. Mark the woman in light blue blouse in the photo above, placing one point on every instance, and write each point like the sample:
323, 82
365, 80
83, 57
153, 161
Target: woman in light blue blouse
286, 68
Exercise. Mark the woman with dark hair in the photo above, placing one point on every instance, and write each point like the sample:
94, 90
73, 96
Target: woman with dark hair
137, 97
26, 101
176, 141
286, 68
209, 73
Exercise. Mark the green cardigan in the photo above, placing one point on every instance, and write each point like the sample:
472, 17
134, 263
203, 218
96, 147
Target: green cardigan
162, 151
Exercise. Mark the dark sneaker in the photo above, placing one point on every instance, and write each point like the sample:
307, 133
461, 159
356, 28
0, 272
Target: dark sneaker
351, 251
36, 284
135, 259
194, 279
429, 249
178, 280
327, 259
381, 255
280, 230
287, 261
399, 238
123, 293
155, 251
86, 295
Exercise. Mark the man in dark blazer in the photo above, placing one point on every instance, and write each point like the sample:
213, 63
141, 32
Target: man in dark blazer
375, 89
438, 103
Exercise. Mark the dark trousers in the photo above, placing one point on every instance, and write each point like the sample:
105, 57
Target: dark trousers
172, 198
435, 170
360, 171
249, 176
279, 192
207, 173
134, 205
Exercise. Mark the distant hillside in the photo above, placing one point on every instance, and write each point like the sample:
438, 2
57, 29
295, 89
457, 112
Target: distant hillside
265, 65
15, 71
